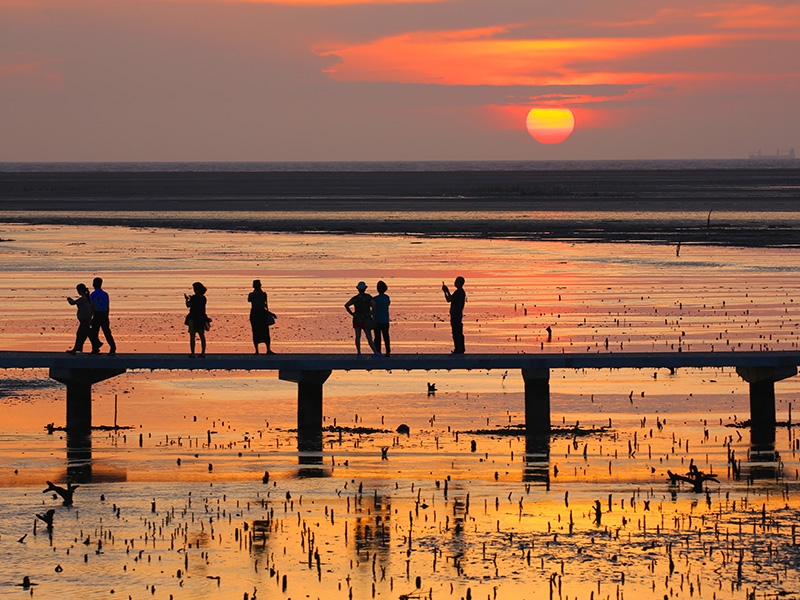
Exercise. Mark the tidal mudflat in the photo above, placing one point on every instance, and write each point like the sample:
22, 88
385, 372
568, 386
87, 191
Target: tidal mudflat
461, 507
743, 203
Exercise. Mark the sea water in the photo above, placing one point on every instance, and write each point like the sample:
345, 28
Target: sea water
461, 507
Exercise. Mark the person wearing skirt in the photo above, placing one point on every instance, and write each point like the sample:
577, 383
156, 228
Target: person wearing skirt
260, 317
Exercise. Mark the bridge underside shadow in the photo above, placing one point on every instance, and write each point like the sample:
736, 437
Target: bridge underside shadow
310, 384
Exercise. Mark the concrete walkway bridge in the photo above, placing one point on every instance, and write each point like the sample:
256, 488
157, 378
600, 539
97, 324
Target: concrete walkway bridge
761, 369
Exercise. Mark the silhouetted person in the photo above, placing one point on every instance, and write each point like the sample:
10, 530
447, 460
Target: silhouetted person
457, 300
260, 316
100, 303
197, 319
360, 307
84, 305
381, 312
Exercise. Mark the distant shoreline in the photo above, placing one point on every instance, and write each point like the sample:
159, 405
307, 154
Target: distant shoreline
409, 166
751, 207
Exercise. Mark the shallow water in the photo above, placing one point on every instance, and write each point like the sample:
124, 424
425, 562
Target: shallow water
514, 540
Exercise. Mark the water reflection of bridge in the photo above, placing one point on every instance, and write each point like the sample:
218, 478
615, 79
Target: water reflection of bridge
761, 369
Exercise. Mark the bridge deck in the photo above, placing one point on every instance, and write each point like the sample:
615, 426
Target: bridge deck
310, 371
350, 362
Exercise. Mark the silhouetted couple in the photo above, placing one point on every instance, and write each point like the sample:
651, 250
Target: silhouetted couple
92, 318
370, 314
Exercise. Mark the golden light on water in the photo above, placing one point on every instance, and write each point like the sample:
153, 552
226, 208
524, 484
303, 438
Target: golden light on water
464, 505
550, 125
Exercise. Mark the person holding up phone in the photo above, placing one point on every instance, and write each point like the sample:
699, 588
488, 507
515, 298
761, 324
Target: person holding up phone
457, 300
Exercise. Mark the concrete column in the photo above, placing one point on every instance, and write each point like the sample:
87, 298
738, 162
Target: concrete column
79, 407
537, 401
762, 399
79, 394
309, 406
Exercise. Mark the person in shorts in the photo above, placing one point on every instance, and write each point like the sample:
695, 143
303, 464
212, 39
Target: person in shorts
197, 320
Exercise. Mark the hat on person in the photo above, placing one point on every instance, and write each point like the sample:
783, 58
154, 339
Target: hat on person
361, 286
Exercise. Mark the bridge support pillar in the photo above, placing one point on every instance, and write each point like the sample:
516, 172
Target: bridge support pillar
537, 401
309, 406
762, 399
79, 394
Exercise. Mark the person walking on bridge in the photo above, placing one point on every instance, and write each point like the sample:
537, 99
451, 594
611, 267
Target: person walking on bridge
100, 303
457, 300
84, 305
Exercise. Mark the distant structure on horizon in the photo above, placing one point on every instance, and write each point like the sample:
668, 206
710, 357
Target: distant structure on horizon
778, 154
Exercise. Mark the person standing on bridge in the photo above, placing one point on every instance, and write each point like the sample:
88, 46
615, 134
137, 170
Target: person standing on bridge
381, 312
197, 319
360, 307
457, 300
260, 316
84, 305
100, 303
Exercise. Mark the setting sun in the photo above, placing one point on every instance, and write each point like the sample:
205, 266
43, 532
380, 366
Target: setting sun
550, 125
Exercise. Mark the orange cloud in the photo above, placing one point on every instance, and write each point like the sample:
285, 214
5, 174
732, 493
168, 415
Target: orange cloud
510, 55
458, 58
332, 2
300, 2
318, 2
34, 3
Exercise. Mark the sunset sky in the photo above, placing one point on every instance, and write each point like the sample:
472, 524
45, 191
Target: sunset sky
294, 80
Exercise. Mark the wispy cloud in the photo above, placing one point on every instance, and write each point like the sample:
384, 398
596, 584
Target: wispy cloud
22, 70
756, 16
